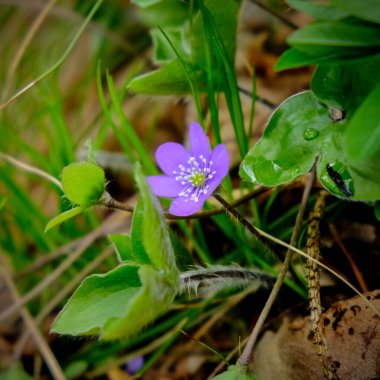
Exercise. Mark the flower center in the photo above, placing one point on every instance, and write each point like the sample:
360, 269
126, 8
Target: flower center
194, 176
197, 179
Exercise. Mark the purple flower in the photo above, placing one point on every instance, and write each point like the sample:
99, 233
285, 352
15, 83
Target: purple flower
134, 365
190, 177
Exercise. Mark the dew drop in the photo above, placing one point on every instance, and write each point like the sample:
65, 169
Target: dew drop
310, 134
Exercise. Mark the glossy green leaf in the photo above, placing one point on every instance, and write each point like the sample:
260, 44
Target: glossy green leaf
235, 372
342, 34
63, 217
367, 10
153, 231
362, 135
294, 57
117, 304
283, 153
301, 131
318, 10
345, 86
83, 183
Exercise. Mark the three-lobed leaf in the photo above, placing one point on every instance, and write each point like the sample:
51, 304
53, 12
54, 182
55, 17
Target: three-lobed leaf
120, 303
171, 79
301, 132
117, 304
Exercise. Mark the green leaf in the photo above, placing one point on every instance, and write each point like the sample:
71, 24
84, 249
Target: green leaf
299, 132
153, 232
235, 372
117, 304
163, 13
283, 153
137, 234
163, 50
170, 79
294, 57
145, 3
320, 11
225, 16
120, 303
63, 217
329, 33
362, 134
346, 86
367, 10
123, 247
353, 88
83, 183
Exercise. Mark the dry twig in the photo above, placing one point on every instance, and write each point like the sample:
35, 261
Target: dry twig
313, 275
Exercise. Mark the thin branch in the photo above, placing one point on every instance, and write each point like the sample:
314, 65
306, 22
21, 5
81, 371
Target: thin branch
113, 204
248, 225
313, 275
280, 17
41, 343
260, 99
30, 169
247, 352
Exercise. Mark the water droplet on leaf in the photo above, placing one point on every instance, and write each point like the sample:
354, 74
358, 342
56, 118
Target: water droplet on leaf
310, 134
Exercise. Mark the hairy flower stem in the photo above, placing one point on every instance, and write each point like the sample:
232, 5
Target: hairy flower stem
312, 249
247, 352
236, 214
110, 203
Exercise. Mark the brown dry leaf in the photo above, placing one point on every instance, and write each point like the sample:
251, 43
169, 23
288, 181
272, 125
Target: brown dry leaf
353, 335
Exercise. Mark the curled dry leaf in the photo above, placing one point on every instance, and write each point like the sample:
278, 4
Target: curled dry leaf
352, 331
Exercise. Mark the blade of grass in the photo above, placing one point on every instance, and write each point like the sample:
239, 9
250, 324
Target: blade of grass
128, 129
192, 83
231, 90
59, 61
120, 136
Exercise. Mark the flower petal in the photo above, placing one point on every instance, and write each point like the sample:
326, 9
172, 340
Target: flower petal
182, 206
199, 142
170, 155
164, 186
220, 162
